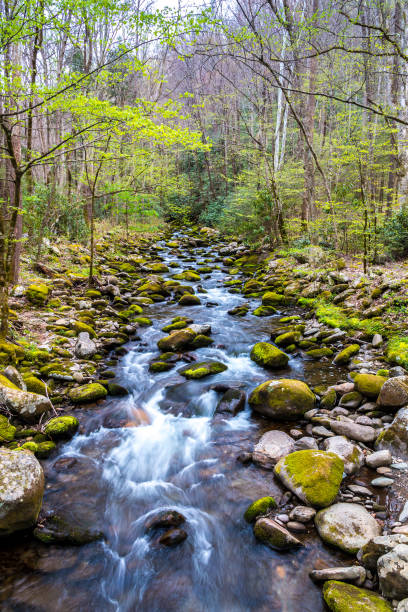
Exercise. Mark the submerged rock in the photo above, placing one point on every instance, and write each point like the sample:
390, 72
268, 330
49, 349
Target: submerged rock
21, 490
343, 597
274, 535
57, 529
271, 447
172, 537
314, 476
347, 526
284, 398
269, 356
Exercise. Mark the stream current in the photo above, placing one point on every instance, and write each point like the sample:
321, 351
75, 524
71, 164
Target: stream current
113, 477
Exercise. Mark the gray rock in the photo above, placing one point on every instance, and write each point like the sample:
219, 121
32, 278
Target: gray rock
395, 438
15, 377
21, 490
302, 514
85, 347
352, 455
306, 443
402, 606
348, 526
353, 573
382, 481
274, 535
397, 371
394, 392
379, 459
361, 433
404, 513
369, 554
202, 330
232, 402
360, 490
321, 432
393, 572
26, 405
377, 340
271, 447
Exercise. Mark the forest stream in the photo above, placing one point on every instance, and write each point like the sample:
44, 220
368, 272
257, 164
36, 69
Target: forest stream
114, 477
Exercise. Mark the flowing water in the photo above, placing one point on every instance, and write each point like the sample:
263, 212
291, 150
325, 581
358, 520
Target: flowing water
113, 477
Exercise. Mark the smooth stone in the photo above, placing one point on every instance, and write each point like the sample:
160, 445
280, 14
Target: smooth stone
379, 459
394, 392
347, 526
401, 529
404, 513
271, 447
351, 573
345, 597
296, 526
351, 454
392, 571
361, 433
302, 514
306, 443
360, 490
369, 554
382, 481
172, 537
274, 535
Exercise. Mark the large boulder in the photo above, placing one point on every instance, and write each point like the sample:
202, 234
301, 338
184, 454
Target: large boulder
395, 438
274, 535
394, 393
26, 405
284, 398
351, 454
21, 490
344, 597
314, 476
177, 341
354, 431
369, 385
347, 526
269, 356
271, 447
392, 571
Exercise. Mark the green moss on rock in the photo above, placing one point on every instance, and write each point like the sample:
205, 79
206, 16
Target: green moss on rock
271, 298
62, 427
7, 431
37, 294
344, 356
87, 393
369, 384
258, 508
344, 597
268, 356
189, 300
284, 398
205, 368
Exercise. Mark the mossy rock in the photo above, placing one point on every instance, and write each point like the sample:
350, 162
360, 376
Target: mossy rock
117, 390
268, 356
189, 300
30, 446
44, 449
259, 508
344, 597
7, 431
288, 338
264, 311
10, 353
177, 341
79, 327
201, 340
187, 275
62, 427
160, 366
202, 369
271, 298
158, 268
369, 384
344, 356
314, 476
328, 401
143, 321
319, 353
173, 326
6, 382
87, 393
35, 385
283, 398
37, 294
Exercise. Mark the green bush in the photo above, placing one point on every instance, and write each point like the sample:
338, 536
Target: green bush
395, 234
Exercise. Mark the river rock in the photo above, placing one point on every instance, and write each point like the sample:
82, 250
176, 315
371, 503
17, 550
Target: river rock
394, 393
177, 341
15, 377
26, 405
344, 356
274, 535
282, 399
351, 454
347, 526
369, 385
21, 490
271, 447
55, 528
344, 597
232, 402
258, 508
202, 369
369, 554
379, 459
87, 393
172, 537
395, 438
306, 443
314, 476
85, 348
361, 433
269, 356
302, 514
349, 574
392, 571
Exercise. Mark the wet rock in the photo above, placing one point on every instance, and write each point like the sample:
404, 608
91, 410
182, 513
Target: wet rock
282, 399
345, 355
369, 385
258, 508
314, 476
302, 514
172, 537
85, 348
361, 433
189, 300
352, 455
202, 330
306, 443
202, 369
393, 572
26, 405
344, 597
382, 482
369, 554
353, 573
274, 535
395, 438
15, 377
57, 529
351, 400
377, 340
178, 340
87, 393
21, 490
296, 526
271, 447
164, 518
62, 428
232, 402
394, 392
347, 526
269, 356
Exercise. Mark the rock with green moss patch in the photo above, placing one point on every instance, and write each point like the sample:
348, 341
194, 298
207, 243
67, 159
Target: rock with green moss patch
37, 294
394, 392
268, 356
344, 597
328, 400
160, 366
7, 430
57, 529
258, 508
21, 490
26, 405
274, 535
395, 438
314, 476
87, 393
44, 449
351, 455
174, 326
62, 427
202, 369
288, 338
177, 341
369, 385
319, 353
271, 298
201, 340
187, 275
80, 326
344, 356
347, 526
264, 311
30, 446
35, 385
189, 300
283, 398
143, 321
